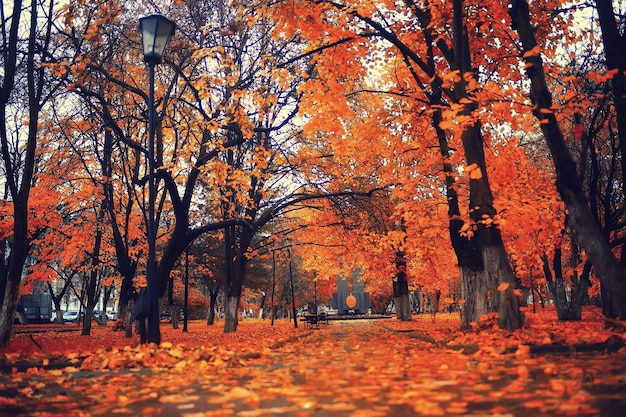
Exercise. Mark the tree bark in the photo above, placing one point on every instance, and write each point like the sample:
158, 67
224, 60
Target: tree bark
587, 230
56, 299
466, 249
231, 313
474, 294
125, 318
566, 309
237, 243
125, 264
401, 289
293, 294
614, 44
212, 304
93, 277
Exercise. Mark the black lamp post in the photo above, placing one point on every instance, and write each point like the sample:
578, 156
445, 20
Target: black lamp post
156, 31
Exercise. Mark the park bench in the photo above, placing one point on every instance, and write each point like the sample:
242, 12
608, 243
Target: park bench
314, 319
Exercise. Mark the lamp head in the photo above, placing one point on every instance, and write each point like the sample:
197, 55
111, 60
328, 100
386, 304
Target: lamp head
156, 31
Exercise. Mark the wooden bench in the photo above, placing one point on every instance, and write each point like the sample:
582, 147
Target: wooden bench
314, 319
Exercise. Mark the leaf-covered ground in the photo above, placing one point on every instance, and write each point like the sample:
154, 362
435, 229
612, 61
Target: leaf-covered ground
345, 368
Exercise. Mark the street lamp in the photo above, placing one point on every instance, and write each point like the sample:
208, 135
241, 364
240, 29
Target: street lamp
156, 31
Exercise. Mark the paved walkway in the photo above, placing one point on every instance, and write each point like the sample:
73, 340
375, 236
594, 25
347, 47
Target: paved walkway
359, 369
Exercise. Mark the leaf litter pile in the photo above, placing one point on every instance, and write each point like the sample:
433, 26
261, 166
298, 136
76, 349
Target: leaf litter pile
345, 368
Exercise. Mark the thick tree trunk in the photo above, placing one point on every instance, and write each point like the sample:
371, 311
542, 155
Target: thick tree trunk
125, 307
608, 308
495, 262
473, 292
471, 251
474, 296
11, 287
401, 301
9, 307
498, 271
588, 232
469, 257
485, 251
126, 266
125, 318
231, 313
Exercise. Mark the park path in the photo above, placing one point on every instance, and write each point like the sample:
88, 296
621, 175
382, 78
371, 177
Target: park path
362, 368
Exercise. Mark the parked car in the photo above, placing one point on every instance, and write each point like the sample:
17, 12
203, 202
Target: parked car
98, 315
72, 316
53, 316
112, 315
167, 316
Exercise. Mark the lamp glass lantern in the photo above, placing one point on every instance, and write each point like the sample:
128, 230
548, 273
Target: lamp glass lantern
156, 31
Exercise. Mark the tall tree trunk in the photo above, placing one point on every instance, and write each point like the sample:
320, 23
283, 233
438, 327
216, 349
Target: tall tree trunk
172, 308
401, 289
231, 295
579, 292
125, 318
18, 171
588, 232
273, 286
212, 304
483, 262
556, 284
495, 260
125, 264
614, 43
566, 309
231, 311
469, 258
293, 294
92, 281
125, 302
12, 286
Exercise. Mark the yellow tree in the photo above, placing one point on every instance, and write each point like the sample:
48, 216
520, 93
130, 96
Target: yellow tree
25, 89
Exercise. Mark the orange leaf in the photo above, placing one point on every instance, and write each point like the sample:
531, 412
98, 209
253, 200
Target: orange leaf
533, 52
